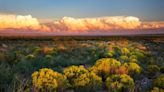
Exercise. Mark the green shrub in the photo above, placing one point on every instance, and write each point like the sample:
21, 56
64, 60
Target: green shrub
108, 54
2, 57
156, 89
138, 54
124, 58
159, 81
6, 77
162, 69
117, 52
153, 69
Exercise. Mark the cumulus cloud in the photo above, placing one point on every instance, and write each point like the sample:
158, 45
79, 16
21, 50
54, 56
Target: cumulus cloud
152, 25
69, 24
18, 22
101, 23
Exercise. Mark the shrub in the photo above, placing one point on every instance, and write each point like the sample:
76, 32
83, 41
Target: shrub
153, 69
159, 81
133, 56
11, 57
48, 80
121, 83
138, 54
156, 89
117, 51
74, 72
123, 58
88, 81
122, 70
37, 51
105, 66
47, 50
2, 57
6, 77
81, 79
125, 51
108, 54
29, 57
133, 60
162, 69
133, 68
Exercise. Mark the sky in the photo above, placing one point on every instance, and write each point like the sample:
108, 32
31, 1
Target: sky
147, 10
83, 15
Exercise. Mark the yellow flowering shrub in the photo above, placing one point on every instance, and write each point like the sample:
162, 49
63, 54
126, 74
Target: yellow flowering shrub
48, 80
81, 79
122, 70
44, 79
74, 71
61, 80
125, 51
105, 66
89, 79
133, 68
117, 82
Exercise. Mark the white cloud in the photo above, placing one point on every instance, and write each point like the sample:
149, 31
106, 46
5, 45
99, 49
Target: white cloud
101, 23
18, 21
78, 25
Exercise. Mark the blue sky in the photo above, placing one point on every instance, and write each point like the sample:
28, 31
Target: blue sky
146, 10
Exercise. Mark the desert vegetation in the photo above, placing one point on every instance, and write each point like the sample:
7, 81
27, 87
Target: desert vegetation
82, 65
